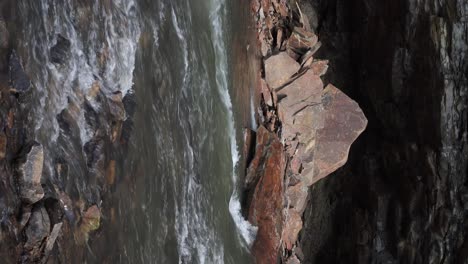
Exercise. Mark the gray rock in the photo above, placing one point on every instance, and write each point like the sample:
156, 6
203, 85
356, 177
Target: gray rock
37, 230
30, 173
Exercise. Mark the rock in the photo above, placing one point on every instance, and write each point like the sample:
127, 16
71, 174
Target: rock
29, 174
301, 41
293, 260
291, 229
265, 209
19, 81
248, 149
296, 196
266, 93
279, 69
344, 121
89, 222
94, 151
116, 106
3, 145
51, 241
110, 172
60, 52
37, 230
319, 67
299, 105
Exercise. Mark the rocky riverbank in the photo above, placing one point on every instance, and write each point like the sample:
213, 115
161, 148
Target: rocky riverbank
47, 214
305, 130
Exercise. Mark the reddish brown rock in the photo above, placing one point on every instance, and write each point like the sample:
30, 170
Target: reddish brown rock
299, 101
344, 121
291, 229
301, 41
3, 145
279, 69
297, 197
266, 93
265, 209
319, 67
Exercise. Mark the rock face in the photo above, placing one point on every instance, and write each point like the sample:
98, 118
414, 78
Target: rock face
30, 173
266, 204
401, 198
61, 51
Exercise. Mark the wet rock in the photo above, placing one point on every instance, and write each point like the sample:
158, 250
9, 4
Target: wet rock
248, 149
265, 209
116, 106
3, 145
110, 172
301, 41
29, 174
344, 121
60, 52
90, 222
279, 69
19, 81
94, 150
36, 231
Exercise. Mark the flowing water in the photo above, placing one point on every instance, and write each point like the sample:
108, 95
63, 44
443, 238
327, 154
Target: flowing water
176, 197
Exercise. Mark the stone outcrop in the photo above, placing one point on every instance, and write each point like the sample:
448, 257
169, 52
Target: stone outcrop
312, 127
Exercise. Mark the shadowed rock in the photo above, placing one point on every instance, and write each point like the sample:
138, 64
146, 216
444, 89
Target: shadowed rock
37, 230
19, 81
60, 52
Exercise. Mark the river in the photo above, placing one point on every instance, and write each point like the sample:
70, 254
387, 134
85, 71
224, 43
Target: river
176, 197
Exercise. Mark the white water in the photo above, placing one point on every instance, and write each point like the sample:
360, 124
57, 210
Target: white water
246, 230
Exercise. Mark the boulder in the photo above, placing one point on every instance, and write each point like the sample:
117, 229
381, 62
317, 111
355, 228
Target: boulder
343, 122
265, 208
60, 52
279, 69
29, 174
19, 81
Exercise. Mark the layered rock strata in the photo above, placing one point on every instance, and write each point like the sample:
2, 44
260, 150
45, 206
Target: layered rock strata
305, 134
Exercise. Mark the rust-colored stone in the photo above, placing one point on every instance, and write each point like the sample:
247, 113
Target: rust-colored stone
301, 41
279, 68
265, 209
291, 229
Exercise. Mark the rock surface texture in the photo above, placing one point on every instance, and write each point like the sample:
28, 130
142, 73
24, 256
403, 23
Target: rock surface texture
305, 134
402, 196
